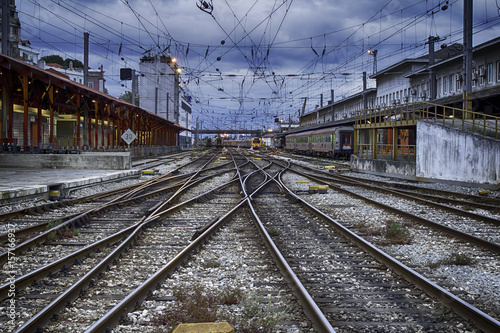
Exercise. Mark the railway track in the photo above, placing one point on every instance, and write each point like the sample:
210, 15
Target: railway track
479, 228
338, 278
60, 254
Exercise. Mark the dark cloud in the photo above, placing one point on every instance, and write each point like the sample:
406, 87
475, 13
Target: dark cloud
274, 52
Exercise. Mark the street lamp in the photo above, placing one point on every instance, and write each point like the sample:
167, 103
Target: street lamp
374, 54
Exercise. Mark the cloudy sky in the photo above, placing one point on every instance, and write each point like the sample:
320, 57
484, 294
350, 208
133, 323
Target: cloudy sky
246, 62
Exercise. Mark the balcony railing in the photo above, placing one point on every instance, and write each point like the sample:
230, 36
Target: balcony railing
409, 113
388, 152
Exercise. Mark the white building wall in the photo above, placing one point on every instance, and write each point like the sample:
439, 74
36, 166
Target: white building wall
157, 75
450, 154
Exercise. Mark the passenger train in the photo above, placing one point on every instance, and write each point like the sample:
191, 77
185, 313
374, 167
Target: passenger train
253, 143
331, 142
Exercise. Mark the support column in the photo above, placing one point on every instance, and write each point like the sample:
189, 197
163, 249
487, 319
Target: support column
110, 128
374, 142
24, 83
51, 120
77, 142
395, 143
96, 126
467, 58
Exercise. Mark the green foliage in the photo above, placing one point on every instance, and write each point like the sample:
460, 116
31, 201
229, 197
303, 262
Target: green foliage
127, 97
273, 232
53, 59
195, 304
57, 59
459, 259
395, 234
52, 236
52, 224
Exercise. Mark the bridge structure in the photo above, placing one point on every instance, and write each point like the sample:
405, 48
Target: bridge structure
256, 133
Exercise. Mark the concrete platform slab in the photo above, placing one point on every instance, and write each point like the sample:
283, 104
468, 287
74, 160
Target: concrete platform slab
18, 183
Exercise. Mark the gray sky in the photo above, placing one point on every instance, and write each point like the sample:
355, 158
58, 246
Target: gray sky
245, 62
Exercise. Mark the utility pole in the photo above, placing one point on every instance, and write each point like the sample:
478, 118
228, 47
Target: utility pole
332, 95
432, 71
5, 27
467, 57
197, 134
5, 51
86, 139
134, 86
365, 100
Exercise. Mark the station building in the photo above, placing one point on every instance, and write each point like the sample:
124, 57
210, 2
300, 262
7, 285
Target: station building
414, 127
46, 112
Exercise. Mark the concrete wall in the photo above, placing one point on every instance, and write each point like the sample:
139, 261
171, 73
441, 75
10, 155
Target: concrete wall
90, 161
150, 151
449, 154
383, 168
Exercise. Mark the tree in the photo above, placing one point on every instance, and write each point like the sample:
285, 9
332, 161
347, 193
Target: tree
57, 59
53, 59
127, 97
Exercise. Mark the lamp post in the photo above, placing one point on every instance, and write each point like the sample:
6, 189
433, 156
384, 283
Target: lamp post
374, 54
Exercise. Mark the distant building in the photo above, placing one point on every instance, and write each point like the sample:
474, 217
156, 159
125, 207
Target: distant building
185, 119
159, 86
15, 32
161, 93
95, 79
27, 53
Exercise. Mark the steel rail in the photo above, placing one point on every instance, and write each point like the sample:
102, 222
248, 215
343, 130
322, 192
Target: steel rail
494, 247
404, 194
77, 220
39, 273
38, 320
459, 306
312, 310
140, 293
66, 261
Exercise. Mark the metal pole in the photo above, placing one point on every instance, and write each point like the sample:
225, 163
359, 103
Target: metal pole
467, 57
5, 27
6, 51
432, 72
333, 109
86, 59
156, 100
168, 102
365, 100
134, 86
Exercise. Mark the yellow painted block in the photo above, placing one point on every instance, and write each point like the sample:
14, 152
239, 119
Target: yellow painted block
221, 327
313, 187
323, 187
330, 167
302, 182
148, 172
216, 162
222, 158
257, 158
483, 192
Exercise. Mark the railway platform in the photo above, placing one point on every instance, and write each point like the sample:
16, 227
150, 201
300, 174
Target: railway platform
25, 183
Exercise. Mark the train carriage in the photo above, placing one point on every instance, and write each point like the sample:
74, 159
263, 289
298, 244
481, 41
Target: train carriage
332, 142
299, 142
256, 143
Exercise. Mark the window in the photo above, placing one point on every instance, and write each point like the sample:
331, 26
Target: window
450, 82
474, 77
458, 82
489, 73
439, 87
91, 85
481, 75
445, 85
498, 71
